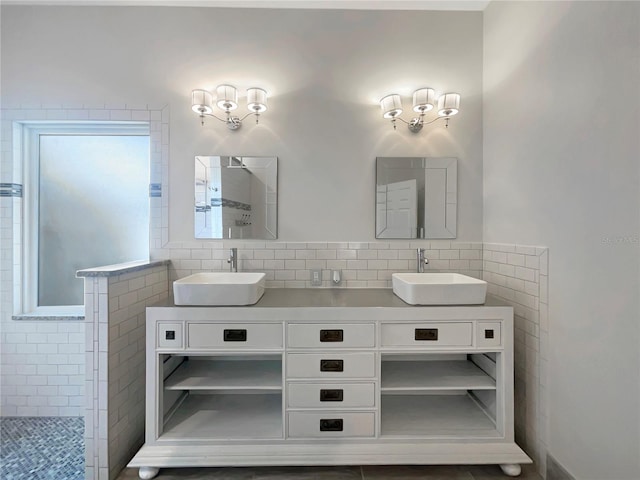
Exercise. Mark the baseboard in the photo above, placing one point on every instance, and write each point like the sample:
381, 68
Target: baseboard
555, 471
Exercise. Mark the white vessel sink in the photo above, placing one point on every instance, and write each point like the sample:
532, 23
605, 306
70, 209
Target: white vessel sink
439, 288
219, 288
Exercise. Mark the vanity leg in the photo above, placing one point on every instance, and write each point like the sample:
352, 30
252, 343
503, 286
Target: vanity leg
146, 473
511, 469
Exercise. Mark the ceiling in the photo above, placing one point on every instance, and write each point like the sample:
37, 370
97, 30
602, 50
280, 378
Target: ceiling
460, 5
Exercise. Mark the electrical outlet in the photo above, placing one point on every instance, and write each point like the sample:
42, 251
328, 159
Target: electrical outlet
316, 277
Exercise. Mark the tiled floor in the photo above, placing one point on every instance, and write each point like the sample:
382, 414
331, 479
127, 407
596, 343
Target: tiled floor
485, 472
52, 448
41, 448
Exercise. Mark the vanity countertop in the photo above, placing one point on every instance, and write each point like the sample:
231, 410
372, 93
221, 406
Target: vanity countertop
337, 297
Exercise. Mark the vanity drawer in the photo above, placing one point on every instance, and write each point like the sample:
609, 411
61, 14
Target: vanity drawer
331, 424
331, 395
427, 335
234, 336
331, 365
317, 335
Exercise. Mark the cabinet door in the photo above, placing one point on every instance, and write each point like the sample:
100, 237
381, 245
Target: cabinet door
339, 335
427, 335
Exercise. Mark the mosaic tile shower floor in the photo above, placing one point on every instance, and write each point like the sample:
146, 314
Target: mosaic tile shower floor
41, 448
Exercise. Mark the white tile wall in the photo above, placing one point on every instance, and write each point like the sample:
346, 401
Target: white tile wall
131, 294
115, 319
96, 373
42, 367
288, 265
41, 362
30, 346
519, 275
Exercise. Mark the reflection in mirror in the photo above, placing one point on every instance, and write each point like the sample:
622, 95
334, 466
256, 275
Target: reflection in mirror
236, 197
416, 197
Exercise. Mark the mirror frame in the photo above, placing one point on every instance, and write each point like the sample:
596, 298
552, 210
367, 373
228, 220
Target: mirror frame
436, 168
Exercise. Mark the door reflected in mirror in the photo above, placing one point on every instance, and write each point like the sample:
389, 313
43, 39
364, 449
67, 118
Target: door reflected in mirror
416, 197
236, 197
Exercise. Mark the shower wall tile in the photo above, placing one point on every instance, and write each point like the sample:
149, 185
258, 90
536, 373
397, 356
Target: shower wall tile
25, 345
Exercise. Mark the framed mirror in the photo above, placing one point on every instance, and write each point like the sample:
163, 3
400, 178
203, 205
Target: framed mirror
416, 197
236, 197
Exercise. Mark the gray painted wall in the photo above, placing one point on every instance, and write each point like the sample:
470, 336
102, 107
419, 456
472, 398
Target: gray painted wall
325, 70
561, 127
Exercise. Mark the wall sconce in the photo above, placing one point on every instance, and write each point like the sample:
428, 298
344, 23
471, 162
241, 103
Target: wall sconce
423, 101
227, 100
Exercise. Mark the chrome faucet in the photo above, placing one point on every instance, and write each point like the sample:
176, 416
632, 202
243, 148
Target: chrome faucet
422, 260
233, 260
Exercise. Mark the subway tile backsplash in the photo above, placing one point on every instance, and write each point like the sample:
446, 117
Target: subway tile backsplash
362, 264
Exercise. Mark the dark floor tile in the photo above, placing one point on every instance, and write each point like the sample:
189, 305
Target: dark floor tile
415, 472
493, 472
367, 472
227, 473
307, 473
251, 473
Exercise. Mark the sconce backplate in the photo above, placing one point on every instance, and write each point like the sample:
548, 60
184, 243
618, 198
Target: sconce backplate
234, 123
415, 125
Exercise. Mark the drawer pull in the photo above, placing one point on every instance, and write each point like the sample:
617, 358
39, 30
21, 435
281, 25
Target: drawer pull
331, 395
331, 365
488, 333
239, 335
331, 425
331, 335
428, 334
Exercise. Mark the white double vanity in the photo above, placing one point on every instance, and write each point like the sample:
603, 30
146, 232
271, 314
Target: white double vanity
329, 377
